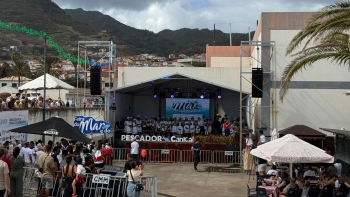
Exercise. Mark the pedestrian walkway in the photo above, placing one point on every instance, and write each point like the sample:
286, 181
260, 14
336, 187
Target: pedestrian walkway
180, 180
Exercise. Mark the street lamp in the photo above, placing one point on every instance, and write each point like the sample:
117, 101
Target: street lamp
44, 104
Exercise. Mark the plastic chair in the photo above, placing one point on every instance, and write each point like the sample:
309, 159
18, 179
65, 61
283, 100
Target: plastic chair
261, 192
251, 190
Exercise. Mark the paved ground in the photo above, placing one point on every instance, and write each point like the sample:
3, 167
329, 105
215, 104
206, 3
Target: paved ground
180, 180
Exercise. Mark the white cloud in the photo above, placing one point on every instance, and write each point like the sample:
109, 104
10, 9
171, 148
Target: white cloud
156, 15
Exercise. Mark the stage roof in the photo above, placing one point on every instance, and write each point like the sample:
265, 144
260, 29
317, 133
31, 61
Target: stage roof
166, 80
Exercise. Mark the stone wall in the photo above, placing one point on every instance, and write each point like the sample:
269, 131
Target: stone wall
36, 115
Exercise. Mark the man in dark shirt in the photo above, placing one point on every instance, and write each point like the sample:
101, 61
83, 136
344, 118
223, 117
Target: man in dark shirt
11, 103
196, 153
127, 165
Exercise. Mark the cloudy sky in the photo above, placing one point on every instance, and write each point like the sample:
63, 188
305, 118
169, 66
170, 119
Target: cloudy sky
156, 15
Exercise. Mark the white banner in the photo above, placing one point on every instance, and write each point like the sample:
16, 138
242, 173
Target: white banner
11, 120
155, 138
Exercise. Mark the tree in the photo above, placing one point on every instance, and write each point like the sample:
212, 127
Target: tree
19, 68
199, 64
328, 32
5, 70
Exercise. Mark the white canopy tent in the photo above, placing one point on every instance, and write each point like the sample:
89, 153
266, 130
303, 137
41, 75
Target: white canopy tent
51, 83
290, 149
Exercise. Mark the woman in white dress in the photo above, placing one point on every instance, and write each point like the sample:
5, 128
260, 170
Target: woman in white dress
180, 128
134, 127
186, 127
209, 127
127, 125
174, 124
248, 158
192, 127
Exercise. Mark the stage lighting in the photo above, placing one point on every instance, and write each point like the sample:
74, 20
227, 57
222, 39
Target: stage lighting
155, 95
219, 93
202, 96
172, 95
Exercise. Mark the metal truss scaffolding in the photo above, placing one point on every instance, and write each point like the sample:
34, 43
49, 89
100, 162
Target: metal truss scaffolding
262, 55
110, 53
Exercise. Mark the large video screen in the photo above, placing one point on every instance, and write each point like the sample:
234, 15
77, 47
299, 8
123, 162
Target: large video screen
184, 107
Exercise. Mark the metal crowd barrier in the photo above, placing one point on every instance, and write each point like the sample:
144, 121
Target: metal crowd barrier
95, 185
181, 156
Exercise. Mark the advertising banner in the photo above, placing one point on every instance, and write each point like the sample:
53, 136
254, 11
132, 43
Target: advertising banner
89, 125
11, 120
185, 107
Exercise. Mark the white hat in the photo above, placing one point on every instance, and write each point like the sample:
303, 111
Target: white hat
138, 116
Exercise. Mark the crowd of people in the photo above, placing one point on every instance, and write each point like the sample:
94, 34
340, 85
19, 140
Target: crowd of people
186, 126
300, 181
68, 161
18, 103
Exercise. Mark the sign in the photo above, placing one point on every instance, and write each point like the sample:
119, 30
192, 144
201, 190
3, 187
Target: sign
165, 151
154, 138
11, 120
230, 153
185, 107
88, 125
100, 178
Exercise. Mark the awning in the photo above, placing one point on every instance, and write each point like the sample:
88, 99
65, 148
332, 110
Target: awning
337, 131
303, 132
168, 79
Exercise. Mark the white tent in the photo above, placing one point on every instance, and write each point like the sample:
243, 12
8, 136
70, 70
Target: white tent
291, 149
51, 83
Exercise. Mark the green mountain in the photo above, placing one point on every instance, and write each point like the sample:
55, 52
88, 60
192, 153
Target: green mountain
186, 41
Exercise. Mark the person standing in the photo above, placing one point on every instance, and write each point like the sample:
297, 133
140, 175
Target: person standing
338, 166
135, 149
196, 153
133, 179
4, 175
16, 178
46, 162
262, 138
227, 127
248, 158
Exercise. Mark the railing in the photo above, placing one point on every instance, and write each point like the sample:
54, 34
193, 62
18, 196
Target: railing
181, 156
95, 185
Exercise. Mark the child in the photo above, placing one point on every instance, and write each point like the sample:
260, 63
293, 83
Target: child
80, 175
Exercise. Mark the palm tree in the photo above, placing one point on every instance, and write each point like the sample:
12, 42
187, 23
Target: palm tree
328, 31
19, 68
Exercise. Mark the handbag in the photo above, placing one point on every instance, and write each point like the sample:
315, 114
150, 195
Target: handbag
139, 186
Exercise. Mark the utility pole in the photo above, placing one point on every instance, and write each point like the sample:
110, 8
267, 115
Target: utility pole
230, 35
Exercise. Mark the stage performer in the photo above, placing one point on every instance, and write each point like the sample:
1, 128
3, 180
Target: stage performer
162, 125
209, 126
134, 127
174, 124
168, 126
152, 125
138, 124
192, 127
180, 128
128, 126
248, 158
201, 125
196, 123
186, 128
157, 126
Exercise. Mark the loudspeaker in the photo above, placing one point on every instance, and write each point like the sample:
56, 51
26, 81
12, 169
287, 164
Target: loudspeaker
257, 82
95, 80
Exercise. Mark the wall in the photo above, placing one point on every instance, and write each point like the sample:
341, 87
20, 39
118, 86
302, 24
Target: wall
226, 56
316, 95
36, 115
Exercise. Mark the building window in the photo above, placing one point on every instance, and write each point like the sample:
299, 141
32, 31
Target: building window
3, 84
14, 84
107, 85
